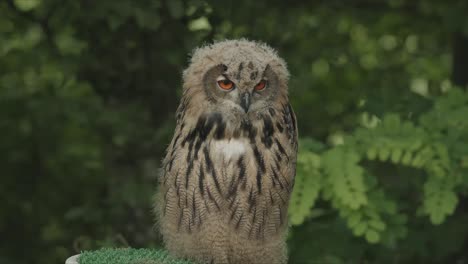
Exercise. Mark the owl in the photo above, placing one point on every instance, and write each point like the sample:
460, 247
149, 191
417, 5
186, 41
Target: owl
229, 170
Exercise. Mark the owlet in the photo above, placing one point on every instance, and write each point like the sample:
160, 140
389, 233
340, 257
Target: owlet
229, 171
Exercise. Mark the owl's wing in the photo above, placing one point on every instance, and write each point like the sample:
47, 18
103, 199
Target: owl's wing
291, 124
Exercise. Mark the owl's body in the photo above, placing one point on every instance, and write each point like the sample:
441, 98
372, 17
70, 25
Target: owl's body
229, 170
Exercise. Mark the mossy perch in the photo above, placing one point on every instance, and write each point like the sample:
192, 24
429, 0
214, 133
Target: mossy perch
128, 256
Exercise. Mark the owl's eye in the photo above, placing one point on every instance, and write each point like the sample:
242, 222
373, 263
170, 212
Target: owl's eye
225, 84
261, 85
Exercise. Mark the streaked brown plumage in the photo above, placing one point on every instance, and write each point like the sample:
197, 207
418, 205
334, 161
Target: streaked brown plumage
229, 170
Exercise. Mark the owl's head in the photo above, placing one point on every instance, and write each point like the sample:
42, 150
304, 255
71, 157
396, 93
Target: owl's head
238, 76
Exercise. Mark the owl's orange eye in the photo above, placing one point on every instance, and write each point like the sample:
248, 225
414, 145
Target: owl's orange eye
225, 84
261, 85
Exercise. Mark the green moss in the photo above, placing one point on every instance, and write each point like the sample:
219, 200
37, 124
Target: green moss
128, 256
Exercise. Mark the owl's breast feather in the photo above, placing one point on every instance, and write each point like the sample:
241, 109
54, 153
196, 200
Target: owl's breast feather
229, 148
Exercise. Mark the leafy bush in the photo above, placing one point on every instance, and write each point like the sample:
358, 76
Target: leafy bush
373, 204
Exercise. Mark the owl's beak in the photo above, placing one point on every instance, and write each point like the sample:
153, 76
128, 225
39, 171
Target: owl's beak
245, 101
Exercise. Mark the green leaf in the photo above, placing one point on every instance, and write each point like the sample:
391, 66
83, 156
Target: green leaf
68, 44
372, 153
439, 199
306, 188
345, 176
377, 224
27, 5
360, 229
354, 219
384, 154
201, 23
372, 236
407, 157
396, 155
391, 122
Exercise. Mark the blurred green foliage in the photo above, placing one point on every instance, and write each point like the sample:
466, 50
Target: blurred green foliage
88, 90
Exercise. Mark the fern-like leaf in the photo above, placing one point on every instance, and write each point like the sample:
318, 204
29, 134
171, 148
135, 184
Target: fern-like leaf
345, 176
306, 188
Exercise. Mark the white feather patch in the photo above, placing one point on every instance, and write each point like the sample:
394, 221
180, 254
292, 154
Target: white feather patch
229, 148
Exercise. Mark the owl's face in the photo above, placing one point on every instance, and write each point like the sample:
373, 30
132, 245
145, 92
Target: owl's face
237, 78
242, 88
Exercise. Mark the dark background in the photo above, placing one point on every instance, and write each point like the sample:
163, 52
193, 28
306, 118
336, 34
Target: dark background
88, 91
